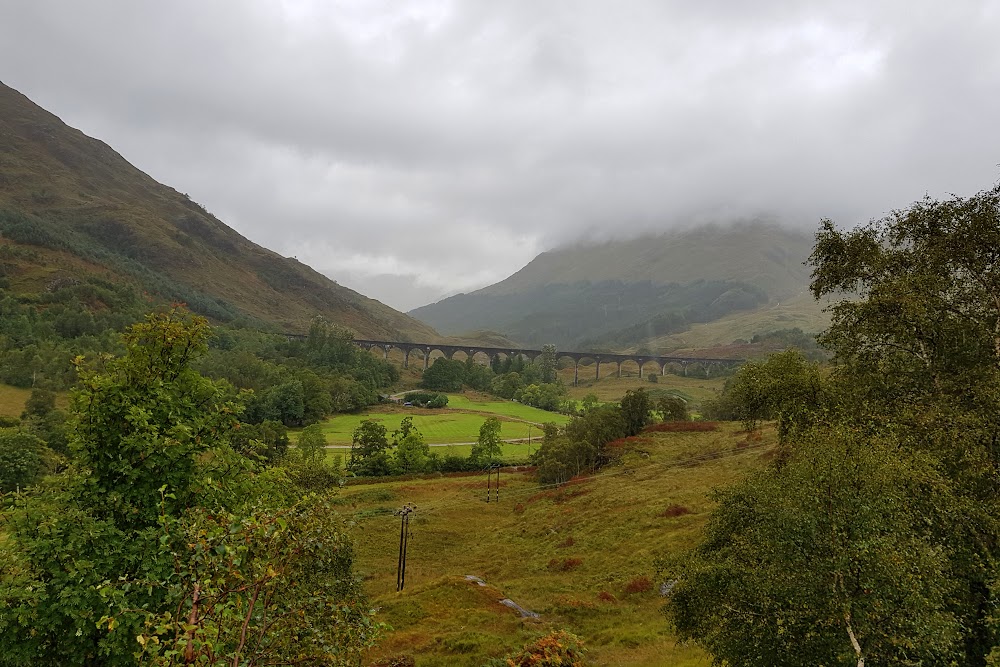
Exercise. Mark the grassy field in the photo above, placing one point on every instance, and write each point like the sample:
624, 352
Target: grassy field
572, 554
12, 400
458, 423
483, 403
437, 426
692, 389
512, 452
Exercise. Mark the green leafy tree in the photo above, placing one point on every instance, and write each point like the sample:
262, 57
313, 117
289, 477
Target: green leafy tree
412, 453
23, 460
281, 591
444, 375
140, 424
586, 437
40, 402
785, 387
917, 352
155, 413
285, 403
542, 396
489, 446
268, 440
369, 445
160, 522
848, 543
508, 384
546, 363
478, 376
824, 560
672, 409
312, 443
636, 409
589, 402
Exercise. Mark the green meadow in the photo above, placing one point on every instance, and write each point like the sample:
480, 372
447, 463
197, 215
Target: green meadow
459, 423
581, 556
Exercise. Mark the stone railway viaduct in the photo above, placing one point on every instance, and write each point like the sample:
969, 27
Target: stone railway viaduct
490, 353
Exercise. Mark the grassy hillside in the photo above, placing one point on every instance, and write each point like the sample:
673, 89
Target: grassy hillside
624, 294
801, 312
72, 209
581, 556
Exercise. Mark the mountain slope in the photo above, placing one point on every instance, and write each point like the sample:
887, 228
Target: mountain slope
619, 294
72, 209
764, 255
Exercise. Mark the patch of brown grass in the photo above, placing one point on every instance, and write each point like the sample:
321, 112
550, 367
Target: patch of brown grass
638, 585
682, 427
674, 511
565, 565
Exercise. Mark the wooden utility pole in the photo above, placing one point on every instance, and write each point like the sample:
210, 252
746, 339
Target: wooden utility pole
404, 534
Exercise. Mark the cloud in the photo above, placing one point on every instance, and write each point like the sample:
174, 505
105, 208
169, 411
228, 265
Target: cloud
430, 147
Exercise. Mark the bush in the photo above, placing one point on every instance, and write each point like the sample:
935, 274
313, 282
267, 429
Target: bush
638, 585
679, 427
556, 649
674, 511
564, 565
427, 399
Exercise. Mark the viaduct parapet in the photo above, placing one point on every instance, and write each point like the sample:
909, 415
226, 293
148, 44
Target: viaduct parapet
425, 350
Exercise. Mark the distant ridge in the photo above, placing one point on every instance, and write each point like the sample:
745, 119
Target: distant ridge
85, 212
617, 295
765, 255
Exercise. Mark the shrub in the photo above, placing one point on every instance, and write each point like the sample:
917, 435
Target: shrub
568, 542
396, 661
638, 585
674, 511
605, 596
681, 426
564, 565
556, 649
427, 399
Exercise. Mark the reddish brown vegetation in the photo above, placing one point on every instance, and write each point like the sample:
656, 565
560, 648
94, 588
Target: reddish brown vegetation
674, 510
638, 585
564, 565
562, 493
568, 542
681, 427
396, 661
605, 596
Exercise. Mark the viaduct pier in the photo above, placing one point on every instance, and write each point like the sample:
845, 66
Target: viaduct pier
598, 358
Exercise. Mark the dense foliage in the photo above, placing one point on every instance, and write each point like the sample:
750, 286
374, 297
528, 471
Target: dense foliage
781, 387
583, 444
875, 536
533, 383
163, 542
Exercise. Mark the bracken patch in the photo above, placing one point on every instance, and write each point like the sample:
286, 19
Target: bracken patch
681, 427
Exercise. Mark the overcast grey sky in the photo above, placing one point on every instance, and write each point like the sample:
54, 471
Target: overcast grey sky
410, 149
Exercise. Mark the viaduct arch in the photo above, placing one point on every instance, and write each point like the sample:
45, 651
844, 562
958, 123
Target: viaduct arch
599, 358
